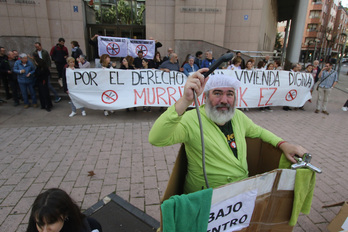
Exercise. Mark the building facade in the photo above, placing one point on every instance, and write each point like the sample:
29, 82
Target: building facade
185, 25
322, 38
23, 22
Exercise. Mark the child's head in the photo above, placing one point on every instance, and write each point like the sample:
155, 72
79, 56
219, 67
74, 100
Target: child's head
71, 61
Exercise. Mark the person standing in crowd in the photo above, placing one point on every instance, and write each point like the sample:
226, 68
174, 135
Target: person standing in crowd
94, 43
242, 64
105, 62
260, 65
83, 63
45, 56
277, 65
309, 70
157, 44
42, 74
16, 54
249, 65
327, 81
266, 60
138, 61
235, 64
76, 51
157, 60
294, 68
170, 51
270, 66
12, 78
209, 60
4, 72
54, 211
185, 62
198, 59
58, 54
316, 70
71, 65
127, 63
25, 75
171, 64
190, 66
146, 66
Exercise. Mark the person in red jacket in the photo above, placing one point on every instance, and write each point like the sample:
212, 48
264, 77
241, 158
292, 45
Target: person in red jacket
58, 54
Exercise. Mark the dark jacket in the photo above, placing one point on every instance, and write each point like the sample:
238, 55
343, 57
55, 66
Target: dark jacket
45, 57
42, 75
59, 53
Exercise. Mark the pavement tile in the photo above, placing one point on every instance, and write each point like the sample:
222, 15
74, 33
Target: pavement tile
138, 202
23, 205
12, 198
12, 222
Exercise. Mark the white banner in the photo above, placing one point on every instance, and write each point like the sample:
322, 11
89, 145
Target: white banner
113, 46
232, 214
113, 89
136, 45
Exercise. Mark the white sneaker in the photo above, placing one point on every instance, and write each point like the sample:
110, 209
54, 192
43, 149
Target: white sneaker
83, 113
72, 114
345, 108
106, 113
112, 111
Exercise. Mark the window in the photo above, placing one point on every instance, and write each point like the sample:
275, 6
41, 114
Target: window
316, 1
312, 27
314, 14
309, 40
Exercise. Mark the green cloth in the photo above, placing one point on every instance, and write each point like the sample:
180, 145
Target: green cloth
187, 212
303, 194
221, 165
303, 191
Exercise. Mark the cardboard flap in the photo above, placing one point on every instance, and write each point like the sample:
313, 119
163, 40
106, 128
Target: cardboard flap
340, 222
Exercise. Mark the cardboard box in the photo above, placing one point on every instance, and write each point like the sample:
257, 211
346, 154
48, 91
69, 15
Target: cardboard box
340, 222
273, 206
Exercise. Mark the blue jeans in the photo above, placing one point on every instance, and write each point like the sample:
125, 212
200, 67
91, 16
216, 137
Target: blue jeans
24, 89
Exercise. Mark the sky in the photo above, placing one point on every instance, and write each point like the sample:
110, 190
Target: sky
345, 3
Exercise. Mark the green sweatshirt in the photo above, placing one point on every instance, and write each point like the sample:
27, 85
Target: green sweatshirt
222, 166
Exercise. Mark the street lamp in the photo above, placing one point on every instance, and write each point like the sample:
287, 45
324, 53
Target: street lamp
342, 53
315, 48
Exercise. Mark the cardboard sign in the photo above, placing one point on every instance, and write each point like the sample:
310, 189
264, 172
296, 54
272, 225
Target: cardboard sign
113, 89
232, 214
146, 46
113, 46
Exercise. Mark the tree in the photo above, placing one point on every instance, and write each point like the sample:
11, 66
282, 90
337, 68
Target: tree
124, 14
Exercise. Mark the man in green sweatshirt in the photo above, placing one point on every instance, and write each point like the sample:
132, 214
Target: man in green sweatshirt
225, 129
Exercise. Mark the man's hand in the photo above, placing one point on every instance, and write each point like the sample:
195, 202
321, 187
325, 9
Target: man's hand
196, 82
290, 150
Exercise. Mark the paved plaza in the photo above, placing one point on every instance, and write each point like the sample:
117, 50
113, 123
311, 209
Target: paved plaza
40, 150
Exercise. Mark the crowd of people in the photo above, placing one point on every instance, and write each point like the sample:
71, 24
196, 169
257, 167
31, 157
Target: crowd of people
20, 75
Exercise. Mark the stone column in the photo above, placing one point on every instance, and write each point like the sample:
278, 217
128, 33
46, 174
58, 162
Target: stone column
296, 33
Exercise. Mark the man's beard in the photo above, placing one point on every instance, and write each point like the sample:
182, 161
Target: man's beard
218, 116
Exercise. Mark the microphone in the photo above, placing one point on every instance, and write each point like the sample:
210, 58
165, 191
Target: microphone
224, 58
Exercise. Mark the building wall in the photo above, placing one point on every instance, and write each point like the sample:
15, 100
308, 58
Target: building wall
232, 24
40, 20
